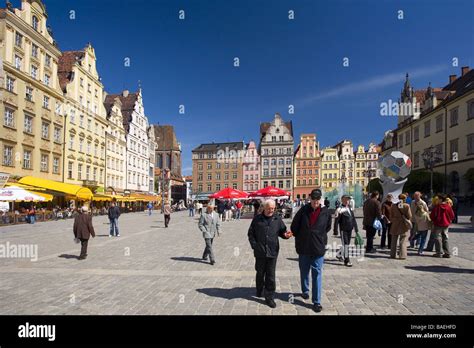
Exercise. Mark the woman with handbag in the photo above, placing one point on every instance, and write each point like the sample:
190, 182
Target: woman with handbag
401, 227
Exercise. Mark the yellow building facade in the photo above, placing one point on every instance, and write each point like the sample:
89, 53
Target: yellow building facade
32, 132
329, 168
86, 120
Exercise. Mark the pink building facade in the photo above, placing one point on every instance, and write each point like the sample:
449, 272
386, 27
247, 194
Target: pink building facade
251, 168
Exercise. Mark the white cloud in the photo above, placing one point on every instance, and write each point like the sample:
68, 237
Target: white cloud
372, 83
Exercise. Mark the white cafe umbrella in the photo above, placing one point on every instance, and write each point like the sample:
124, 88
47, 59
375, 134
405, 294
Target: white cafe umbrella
15, 193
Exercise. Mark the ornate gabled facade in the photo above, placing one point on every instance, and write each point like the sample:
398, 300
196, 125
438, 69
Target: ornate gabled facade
276, 154
136, 125
307, 166
32, 135
251, 167
86, 121
116, 146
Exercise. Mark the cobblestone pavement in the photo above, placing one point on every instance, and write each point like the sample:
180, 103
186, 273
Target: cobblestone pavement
153, 270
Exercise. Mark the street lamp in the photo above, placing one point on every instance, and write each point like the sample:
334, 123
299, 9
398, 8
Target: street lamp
369, 174
431, 156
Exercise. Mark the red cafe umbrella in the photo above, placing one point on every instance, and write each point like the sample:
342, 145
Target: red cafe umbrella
270, 191
229, 193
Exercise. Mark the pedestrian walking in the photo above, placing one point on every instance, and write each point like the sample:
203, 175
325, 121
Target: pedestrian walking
191, 208
114, 214
442, 215
386, 222
83, 229
263, 236
32, 215
167, 213
401, 226
372, 210
221, 210
150, 208
346, 222
326, 202
209, 224
238, 211
199, 207
422, 220
310, 227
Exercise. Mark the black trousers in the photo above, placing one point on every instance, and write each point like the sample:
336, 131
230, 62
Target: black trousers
167, 220
370, 234
265, 267
346, 242
386, 235
84, 243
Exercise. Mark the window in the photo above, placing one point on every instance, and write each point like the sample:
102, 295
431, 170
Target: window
226, 176
28, 124
470, 144
73, 116
47, 60
427, 128
274, 138
280, 171
209, 176
288, 171
470, 109
273, 173
439, 123
81, 144
234, 185
218, 176
34, 50
218, 166
281, 137
209, 166
69, 170
95, 150
281, 161
18, 62
453, 117
46, 102
27, 159
200, 188
81, 82
29, 94
58, 108
89, 124
34, 72
44, 162
453, 148
94, 175
71, 141
9, 118
18, 39
8, 155
234, 175
46, 79
280, 184
57, 134
56, 165
416, 133
209, 187
265, 172
407, 138
34, 22
10, 84
81, 121
79, 171
265, 162
439, 149
88, 173
45, 130
199, 176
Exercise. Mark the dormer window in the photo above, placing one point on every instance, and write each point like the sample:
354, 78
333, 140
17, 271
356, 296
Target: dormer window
35, 23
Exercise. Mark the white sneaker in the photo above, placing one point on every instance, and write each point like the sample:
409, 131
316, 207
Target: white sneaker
110, 235
118, 235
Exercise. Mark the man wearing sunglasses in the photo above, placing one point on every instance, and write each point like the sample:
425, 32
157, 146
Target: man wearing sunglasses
310, 227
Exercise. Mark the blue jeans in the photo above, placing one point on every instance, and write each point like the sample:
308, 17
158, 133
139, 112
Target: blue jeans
114, 227
423, 235
149, 211
32, 219
191, 212
314, 264
237, 214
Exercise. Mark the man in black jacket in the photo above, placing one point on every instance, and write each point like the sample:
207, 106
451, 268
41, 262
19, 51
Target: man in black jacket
263, 237
346, 222
114, 213
310, 227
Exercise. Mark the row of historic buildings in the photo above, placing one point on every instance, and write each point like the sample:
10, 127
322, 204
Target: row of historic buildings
59, 123
276, 162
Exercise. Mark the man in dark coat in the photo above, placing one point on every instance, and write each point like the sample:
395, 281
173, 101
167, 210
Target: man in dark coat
310, 227
372, 210
263, 237
114, 213
83, 229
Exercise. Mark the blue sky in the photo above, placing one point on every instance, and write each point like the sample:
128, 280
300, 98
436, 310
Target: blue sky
282, 61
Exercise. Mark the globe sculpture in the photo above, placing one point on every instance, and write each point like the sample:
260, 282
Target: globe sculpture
394, 168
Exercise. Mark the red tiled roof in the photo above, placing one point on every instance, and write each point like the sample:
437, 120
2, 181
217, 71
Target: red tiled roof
65, 66
265, 125
128, 105
166, 137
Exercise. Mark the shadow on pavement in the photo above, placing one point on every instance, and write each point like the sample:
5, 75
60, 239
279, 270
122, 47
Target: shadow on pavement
189, 259
102, 235
247, 294
440, 269
67, 256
